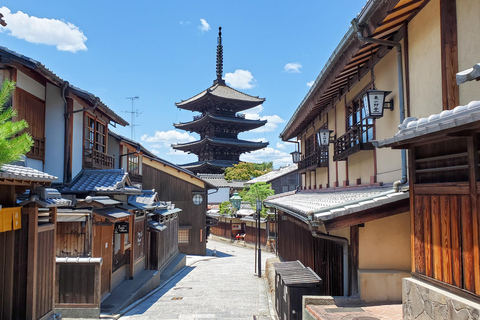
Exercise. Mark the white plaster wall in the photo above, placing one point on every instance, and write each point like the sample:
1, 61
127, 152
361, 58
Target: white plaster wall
77, 143
54, 132
28, 84
113, 149
35, 164
220, 196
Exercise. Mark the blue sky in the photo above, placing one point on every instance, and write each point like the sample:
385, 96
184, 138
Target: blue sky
164, 52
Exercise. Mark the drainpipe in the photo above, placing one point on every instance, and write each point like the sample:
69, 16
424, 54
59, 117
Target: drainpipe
341, 240
398, 46
67, 117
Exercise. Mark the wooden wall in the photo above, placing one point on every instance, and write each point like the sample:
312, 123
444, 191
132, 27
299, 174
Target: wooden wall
251, 234
45, 272
223, 229
180, 192
139, 237
290, 180
72, 240
164, 244
75, 284
295, 242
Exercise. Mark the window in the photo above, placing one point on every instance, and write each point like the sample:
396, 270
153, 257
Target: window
133, 161
95, 133
356, 120
183, 235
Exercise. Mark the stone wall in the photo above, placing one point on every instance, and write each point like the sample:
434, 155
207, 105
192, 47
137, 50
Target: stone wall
422, 300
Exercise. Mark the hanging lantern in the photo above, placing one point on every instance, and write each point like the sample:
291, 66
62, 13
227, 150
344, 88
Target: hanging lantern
323, 137
374, 102
296, 156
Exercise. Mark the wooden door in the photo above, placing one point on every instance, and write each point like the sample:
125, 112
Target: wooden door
102, 247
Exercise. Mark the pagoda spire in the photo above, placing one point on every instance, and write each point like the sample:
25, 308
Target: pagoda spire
219, 79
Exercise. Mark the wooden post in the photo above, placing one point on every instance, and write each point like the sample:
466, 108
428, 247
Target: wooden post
448, 30
31, 298
132, 246
54, 263
473, 173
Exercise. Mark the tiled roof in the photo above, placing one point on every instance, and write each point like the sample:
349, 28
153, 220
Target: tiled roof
10, 171
102, 181
274, 174
469, 74
219, 119
45, 197
146, 200
221, 141
413, 128
326, 205
209, 163
114, 213
218, 180
222, 91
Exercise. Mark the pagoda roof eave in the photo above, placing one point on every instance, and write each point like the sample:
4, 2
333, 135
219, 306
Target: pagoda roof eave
240, 144
248, 124
221, 93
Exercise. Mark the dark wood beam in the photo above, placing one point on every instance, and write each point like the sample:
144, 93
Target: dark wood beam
448, 30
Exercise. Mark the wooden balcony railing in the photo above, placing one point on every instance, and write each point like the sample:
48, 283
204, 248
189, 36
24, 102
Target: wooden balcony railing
38, 149
135, 177
94, 159
354, 140
319, 158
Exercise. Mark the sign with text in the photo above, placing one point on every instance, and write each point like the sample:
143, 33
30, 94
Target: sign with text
121, 227
236, 226
10, 219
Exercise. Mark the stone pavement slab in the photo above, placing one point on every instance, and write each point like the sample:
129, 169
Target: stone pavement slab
365, 312
221, 287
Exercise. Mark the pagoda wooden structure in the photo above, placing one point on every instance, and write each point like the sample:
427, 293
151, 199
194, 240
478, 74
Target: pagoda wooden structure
219, 124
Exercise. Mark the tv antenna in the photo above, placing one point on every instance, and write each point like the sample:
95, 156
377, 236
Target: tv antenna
134, 114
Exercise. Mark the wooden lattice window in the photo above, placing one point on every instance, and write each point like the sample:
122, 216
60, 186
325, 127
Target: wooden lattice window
95, 134
133, 163
183, 235
356, 120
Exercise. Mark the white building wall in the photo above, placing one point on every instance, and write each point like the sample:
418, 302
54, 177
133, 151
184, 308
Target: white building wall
220, 196
28, 84
77, 143
54, 132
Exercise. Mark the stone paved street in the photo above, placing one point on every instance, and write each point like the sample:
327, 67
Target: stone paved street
222, 287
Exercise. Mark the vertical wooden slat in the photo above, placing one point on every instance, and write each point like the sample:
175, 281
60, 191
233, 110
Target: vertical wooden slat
427, 232
446, 239
418, 229
467, 244
436, 238
31, 299
472, 148
456, 242
411, 163
449, 53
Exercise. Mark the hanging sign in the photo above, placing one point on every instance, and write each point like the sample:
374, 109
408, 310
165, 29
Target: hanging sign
236, 226
121, 227
10, 219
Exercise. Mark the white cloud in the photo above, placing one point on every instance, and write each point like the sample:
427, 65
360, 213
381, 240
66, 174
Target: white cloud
204, 26
184, 22
64, 35
281, 146
310, 83
271, 125
267, 154
292, 67
240, 79
154, 151
168, 137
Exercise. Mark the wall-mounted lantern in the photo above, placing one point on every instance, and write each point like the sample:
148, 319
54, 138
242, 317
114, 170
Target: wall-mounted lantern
323, 137
374, 102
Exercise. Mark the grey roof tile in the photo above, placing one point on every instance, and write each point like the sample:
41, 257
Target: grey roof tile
326, 205
413, 128
469, 74
10, 171
113, 180
222, 91
219, 181
274, 174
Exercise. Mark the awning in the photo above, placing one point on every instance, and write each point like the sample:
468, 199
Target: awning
155, 226
166, 212
69, 215
112, 213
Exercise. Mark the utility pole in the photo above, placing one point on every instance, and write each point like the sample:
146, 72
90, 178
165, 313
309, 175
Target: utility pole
259, 252
134, 114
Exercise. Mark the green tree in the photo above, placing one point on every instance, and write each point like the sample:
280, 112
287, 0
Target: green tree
247, 170
12, 143
225, 208
257, 191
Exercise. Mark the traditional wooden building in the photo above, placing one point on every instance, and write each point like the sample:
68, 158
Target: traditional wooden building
27, 245
282, 180
219, 124
443, 157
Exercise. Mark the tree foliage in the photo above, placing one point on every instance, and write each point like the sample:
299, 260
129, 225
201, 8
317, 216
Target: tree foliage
257, 191
247, 170
225, 208
12, 143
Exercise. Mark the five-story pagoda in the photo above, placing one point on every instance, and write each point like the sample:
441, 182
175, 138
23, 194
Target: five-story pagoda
219, 124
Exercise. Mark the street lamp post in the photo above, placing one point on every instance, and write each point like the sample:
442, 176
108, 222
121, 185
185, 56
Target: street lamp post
259, 208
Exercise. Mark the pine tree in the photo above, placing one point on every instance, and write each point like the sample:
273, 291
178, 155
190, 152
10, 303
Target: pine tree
12, 143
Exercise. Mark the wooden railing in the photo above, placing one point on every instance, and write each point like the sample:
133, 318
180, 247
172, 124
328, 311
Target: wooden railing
94, 159
38, 149
319, 158
135, 177
352, 141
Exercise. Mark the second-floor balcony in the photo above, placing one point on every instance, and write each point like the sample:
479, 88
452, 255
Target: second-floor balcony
317, 159
94, 159
356, 139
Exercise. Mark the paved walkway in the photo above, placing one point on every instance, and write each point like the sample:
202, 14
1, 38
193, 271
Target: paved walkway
379, 312
222, 287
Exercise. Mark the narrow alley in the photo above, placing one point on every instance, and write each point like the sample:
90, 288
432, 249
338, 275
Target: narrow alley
221, 287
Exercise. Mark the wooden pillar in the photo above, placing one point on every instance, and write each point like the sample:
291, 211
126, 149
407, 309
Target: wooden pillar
448, 30
354, 258
69, 142
411, 178
54, 249
132, 246
473, 173
30, 214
